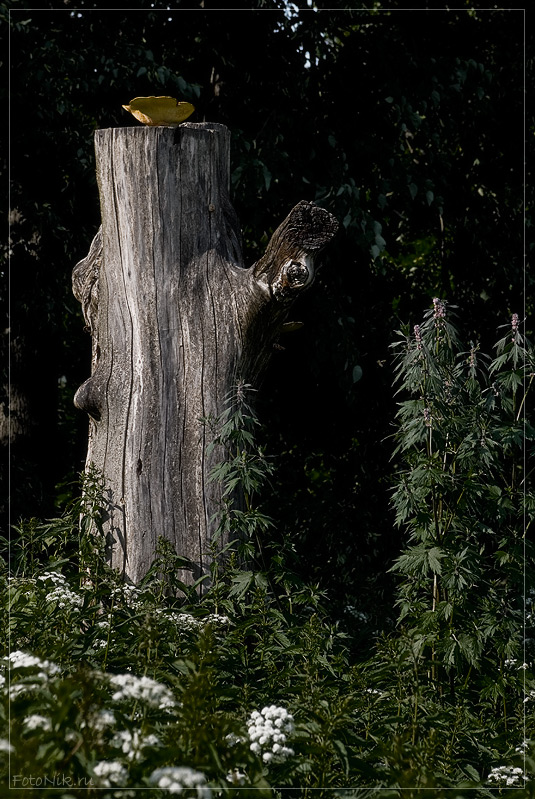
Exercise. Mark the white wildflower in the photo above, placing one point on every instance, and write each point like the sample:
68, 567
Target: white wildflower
183, 621
110, 773
20, 689
99, 720
530, 697
103, 633
5, 746
236, 778
511, 663
22, 660
175, 778
233, 740
507, 776
52, 577
37, 722
129, 595
523, 747
186, 622
216, 619
268, 731
63, 597
144, 689
105, 718
131, 743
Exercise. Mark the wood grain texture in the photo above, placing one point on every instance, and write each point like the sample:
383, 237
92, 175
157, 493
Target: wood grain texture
175, 320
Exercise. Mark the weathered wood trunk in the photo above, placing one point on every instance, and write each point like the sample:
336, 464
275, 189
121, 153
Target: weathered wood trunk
175, 321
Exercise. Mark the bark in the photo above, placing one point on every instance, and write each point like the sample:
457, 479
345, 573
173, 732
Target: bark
175, 321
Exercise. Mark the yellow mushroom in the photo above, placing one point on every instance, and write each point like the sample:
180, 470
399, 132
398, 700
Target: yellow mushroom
159, 110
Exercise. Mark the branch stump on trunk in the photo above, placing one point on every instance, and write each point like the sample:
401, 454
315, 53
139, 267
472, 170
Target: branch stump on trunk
176, 320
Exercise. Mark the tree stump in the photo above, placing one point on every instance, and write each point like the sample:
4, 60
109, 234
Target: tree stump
176, 320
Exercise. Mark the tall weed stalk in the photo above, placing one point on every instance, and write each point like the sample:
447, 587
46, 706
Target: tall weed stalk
464, 505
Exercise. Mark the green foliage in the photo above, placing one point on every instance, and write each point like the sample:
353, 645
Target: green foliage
462, 496
113, 685
242, 471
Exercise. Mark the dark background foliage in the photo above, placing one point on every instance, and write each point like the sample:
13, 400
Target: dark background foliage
408, 125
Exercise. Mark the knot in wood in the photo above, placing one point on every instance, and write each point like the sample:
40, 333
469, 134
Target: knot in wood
297, 274
294, 276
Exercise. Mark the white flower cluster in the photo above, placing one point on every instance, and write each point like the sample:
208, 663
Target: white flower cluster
131, 596
63, 597
128, 595
103, 719
507, 776
22, 660
236, 778
268, 730
110, 773
233, 739
216, 618
99, 720
5, 746
61, 593
42, 670
131, 743
175, 778
103, 632
185, 621
144, 689
56, 578
511, 664
37, 722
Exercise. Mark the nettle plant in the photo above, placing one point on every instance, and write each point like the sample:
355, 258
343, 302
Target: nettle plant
243, 472
462, 496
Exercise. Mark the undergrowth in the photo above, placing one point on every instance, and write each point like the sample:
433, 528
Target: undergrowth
250, 687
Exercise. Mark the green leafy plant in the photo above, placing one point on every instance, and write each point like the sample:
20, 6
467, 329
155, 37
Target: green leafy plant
461, 492
461, 496
252, 684
243, 472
